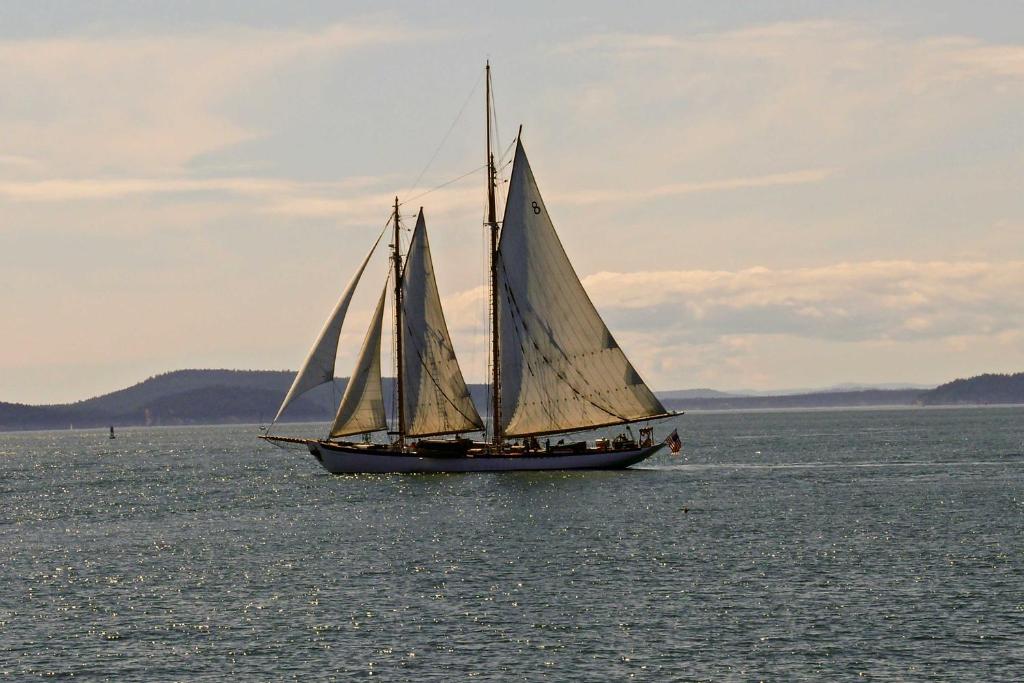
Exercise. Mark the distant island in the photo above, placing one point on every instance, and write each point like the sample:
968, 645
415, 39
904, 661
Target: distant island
990, 389
980, 390
820, 399
185, 397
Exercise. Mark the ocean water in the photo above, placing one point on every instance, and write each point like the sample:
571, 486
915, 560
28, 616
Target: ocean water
783, 546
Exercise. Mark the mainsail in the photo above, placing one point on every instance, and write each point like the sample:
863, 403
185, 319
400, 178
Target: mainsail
362, 406
561, 369
436, 399
319, 365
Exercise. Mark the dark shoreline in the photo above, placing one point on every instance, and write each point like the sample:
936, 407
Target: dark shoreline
226, 397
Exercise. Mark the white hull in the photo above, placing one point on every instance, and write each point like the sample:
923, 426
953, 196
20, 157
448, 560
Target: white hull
342, 460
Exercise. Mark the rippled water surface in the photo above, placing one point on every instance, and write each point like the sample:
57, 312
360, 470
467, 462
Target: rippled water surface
785, 545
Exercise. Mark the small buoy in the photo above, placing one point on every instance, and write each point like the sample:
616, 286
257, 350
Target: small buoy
686, 511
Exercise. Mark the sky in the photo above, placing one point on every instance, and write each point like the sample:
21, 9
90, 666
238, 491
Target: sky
756, 195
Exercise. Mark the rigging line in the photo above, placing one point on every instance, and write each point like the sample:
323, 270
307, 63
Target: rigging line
494, 116
515, 312
442, 185
506, 164
497, 139
437, 151
394, 350
335, 401
504, 155
630, 421
484, 312
437, 386
561, 351
500, 176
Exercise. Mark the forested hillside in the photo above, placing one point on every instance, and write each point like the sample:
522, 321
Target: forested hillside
980, 390
181, 397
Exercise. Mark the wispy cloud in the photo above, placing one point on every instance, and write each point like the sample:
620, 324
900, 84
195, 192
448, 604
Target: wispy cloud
353, 199
774, 327
972, 58
135, 103
866, 301
776, 41
878, 300
356, 200
17, 161
801, 177
440, 202
810, 94
65, 190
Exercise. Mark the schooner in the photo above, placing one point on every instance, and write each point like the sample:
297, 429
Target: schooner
555, 366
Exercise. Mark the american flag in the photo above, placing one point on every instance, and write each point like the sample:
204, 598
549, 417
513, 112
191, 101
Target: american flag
674, 442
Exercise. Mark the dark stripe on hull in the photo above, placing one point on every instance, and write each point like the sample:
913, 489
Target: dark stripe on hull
342, 460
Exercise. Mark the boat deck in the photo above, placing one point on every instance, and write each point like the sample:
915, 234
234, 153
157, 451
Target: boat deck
473, 450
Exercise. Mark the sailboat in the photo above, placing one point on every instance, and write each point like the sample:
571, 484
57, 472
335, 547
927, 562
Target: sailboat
555, 367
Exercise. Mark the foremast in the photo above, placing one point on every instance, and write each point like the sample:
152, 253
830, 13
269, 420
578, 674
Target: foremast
396, 258
492, 222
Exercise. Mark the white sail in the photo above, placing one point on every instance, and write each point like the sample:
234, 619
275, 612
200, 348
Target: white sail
561, 369
319, 365
362, 406
435, 397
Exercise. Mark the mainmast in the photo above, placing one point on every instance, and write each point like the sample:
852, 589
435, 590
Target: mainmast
397, 258
492, 221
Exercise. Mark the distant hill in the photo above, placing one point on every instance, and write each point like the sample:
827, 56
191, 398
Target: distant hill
983, 389
194, 397
253, 396
180, 397
693, 393
181, 381
834, 399
833, 389
888, 386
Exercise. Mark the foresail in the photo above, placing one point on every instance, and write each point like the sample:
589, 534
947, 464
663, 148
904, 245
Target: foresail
561, 369
436, 399
362, 406
319, 365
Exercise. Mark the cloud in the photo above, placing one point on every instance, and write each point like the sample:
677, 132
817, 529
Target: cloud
369, 204
779, 41
878, 301
801, 177
79, 189
782, 327
351, 201
17, 161
802, 94
319, 198
132, 103
974, 58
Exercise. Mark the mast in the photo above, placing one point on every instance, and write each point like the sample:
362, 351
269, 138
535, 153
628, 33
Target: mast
492, 221
397, 258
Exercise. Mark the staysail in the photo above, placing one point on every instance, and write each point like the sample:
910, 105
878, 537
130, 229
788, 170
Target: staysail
561, 369
319, 365
362, 406
436, 399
